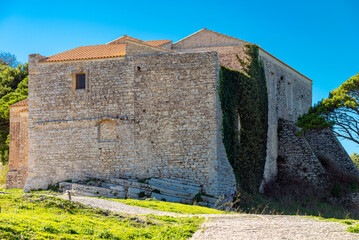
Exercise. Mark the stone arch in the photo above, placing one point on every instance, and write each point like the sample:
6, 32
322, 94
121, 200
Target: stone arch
107, 131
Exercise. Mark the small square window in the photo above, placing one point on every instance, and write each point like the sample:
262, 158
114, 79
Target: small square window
81, 81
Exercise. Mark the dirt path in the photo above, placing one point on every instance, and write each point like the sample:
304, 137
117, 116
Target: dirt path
117, 206
243, 226
273, 227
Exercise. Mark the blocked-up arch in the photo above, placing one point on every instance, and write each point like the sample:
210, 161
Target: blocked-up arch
107, 131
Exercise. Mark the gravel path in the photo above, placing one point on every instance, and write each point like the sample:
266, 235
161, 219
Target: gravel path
242, 226
273, 227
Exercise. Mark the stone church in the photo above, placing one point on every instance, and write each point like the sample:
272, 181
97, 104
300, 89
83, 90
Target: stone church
134, 109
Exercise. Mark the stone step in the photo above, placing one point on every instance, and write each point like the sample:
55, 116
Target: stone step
182, 181
129, 183
175, 192
137, 193
174, 185
92, 191
113, 187
211, 200
206, 204
163, 197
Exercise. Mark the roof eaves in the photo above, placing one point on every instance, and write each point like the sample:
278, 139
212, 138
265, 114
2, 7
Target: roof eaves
22, 103
285, 64
143, 43
81, 59
125, 37
205, 29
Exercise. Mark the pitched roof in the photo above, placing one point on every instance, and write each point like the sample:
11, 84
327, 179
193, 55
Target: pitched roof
115, 48
158, 43
89, 52
155, 43
217, 33
22, 103
123, 39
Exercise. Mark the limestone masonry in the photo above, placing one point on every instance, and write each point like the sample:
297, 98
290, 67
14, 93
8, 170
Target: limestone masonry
134, 109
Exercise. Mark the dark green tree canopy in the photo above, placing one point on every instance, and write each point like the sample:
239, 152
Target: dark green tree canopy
340, 111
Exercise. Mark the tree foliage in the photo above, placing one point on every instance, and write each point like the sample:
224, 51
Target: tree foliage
9, 59
340, 111
13, 88
355, 159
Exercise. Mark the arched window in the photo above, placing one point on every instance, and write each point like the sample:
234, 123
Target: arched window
238, 124
107, 131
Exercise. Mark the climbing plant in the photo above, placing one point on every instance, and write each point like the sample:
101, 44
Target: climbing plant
244, 98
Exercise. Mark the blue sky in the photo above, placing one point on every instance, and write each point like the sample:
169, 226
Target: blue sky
318, 38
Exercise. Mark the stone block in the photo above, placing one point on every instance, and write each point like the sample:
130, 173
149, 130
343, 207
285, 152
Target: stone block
135, 192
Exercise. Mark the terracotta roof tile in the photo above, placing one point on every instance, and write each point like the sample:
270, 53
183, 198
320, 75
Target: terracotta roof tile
22, 103
89, 52
157, 43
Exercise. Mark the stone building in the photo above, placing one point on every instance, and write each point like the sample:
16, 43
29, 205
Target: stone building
140, 109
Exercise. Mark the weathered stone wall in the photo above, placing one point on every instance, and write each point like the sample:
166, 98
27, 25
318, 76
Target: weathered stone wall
206, 38
289, 93
17, 172
325, 145
289, 96
164, 109
296, 160
135, 48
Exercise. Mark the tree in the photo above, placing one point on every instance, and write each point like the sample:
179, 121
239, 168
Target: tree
340, 112
13, 88
9, 59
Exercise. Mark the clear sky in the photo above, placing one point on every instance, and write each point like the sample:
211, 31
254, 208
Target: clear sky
319, 38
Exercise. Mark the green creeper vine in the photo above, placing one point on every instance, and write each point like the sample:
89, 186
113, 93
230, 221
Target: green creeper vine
244, 94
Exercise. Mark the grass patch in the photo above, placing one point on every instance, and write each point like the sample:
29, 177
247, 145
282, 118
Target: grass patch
170, 207
36, 216
289, 205
353, 229
3, 170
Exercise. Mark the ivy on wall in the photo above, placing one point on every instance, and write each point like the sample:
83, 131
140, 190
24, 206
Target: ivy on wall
244, 98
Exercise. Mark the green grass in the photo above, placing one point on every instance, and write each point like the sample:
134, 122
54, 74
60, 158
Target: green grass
170, 207
36, 216
288, 205
305, 206
354, 229
3, 170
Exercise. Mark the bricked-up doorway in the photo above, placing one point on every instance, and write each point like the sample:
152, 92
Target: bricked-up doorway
107, 135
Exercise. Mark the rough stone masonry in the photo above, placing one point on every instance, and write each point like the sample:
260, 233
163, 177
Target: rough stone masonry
145, 109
